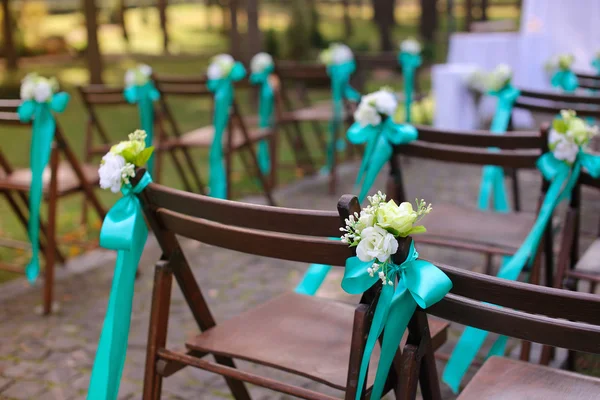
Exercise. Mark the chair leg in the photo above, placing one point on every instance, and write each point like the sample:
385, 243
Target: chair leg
157, 335
515, 189
51, 240
274, 160
303, 159
409, 375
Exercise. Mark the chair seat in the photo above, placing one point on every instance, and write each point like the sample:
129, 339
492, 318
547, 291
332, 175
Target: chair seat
203, 137
318, 112
68, 181
455, 225
504, 379
590, 259
301, 334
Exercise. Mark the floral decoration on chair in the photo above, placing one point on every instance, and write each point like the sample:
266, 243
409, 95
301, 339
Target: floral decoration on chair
561, 76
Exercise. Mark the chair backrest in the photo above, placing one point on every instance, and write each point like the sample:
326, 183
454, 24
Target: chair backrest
552, 103
589, 81
530, 312
8, 112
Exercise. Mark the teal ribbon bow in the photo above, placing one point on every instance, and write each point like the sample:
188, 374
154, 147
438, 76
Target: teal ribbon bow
223, 91
492, 177
43, 130
565, 79
266, 106
124, 230
409, 63
420, 283
340, 90
144, 96
596, 65
380, 141
563, 179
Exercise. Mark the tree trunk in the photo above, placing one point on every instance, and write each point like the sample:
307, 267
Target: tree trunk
429, 21
254, 42
93, 49
450, 12
234, 32
383, 17
347, 21
468, 14
162, 12
121, 12
10, 52
484, 10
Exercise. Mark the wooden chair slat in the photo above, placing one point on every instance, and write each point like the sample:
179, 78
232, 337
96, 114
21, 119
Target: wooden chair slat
559, 97
510, 140
555, 108
267, 244
276, 219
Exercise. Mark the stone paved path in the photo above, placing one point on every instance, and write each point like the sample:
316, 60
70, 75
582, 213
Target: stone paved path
51, 358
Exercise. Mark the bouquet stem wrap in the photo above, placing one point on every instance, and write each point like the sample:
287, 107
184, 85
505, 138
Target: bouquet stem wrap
380, 141
144, 96
563, 179
266, 106
565, 79
492, 178
409, 63
420, 283
124, 230
340, 89
44, 127
223, 91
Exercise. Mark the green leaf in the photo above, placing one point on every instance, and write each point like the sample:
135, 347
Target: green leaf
143, 157
129, 156
417, 229
559, 125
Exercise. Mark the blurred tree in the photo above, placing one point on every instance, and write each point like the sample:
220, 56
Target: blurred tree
384, 19
316, 38
484, 10
162, 13
429, 20
298, 33
347, 21
122, 20
90, 11
254, 40
234, 31
7, 36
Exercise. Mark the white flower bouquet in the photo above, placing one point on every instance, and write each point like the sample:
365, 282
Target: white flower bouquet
220, 66
38, 88
119, 164
260, 62
138, 76
410, 46
561, 62
374, 231
568, 134
337, 53
375, 106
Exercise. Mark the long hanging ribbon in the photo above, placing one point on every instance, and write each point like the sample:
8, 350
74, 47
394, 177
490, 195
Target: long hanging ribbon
563, 179
565, 79
144, 96
223, 91
420, 283
492, 177
340, 90
43, 130
380, 142
124, 230
266, 106
409, 62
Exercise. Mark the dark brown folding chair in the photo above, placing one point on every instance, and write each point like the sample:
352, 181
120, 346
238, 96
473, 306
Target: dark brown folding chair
297, 82
238, 139
589, 81
531, 313
467, 228
316, 338
63, 178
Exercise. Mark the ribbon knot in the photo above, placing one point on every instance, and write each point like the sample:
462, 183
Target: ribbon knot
266, 102
565, 79
420, 284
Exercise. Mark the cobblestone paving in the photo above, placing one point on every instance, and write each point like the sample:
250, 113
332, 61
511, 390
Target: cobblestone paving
51, 358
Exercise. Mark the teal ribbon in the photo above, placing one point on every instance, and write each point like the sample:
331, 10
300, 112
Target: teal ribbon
124, 230
314, 277
144, 96
266, 106
340, 90
409, 63
43, 130
563, 179
380, 141
565, 79
596, 65
420, 283
492, 177
223, 95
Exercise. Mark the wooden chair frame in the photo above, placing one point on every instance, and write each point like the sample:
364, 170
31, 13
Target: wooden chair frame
291, 234
17, 198
551, 103
589, 81
178, 86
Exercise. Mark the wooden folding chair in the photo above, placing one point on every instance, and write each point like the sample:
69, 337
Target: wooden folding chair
528, 312
368, 63
472, 229
296, 81
61, 179
589, 81
304, 335
238, 138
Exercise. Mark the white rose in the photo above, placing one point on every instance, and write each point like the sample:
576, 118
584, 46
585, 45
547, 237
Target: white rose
220, 67
130, 77
260, 61
214, 72
365, 220
366, 114
42, 91
145, 70
385, 102
566, 150
27, 89
555, 137
376, 242
110, 172
410, 46
504, 72
341, 54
